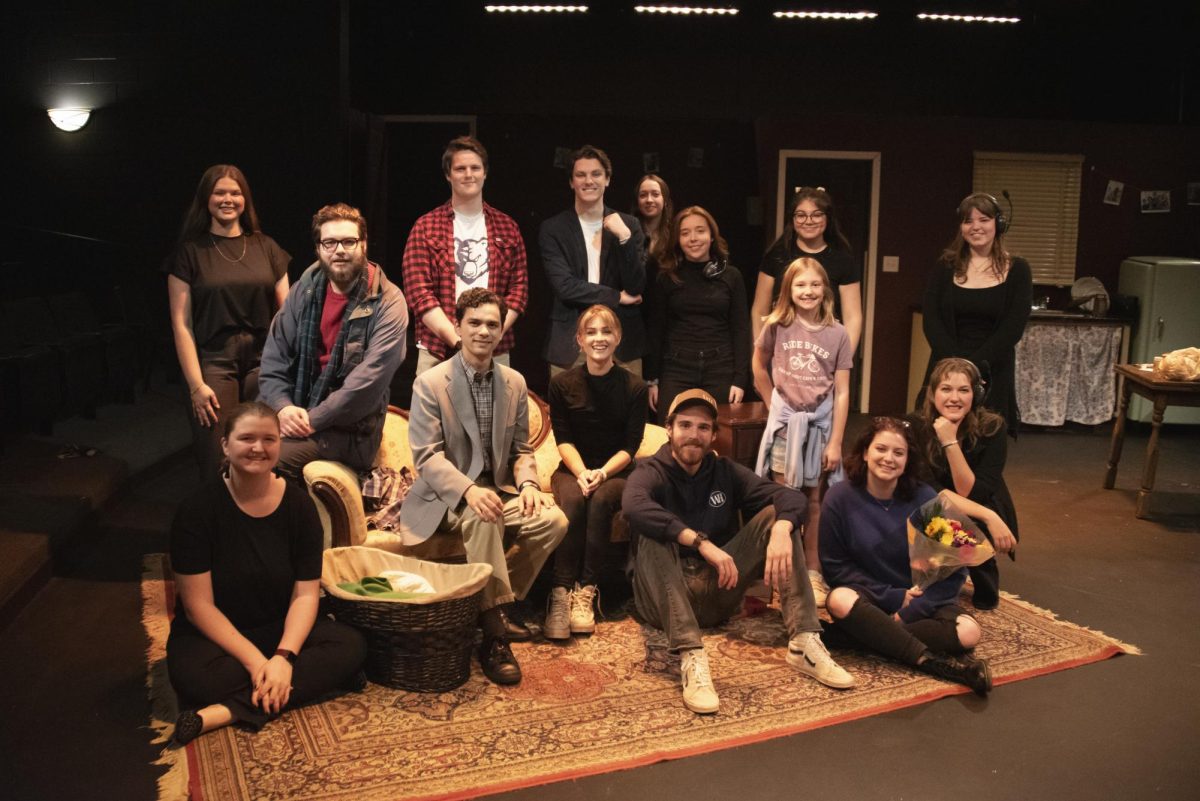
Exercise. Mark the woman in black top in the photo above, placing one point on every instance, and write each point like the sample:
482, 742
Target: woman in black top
225, 281
977, 303
598, 411
967, 449
699, 320
812, 230
246, 641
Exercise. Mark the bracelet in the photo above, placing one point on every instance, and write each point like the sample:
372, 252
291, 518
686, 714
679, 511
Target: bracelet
603, 474
948, 444
197, 389
290, 656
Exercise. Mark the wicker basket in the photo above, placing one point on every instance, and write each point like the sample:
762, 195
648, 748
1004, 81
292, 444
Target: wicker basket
420, 645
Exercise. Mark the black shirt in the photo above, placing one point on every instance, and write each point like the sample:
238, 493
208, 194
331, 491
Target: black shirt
229, 297
839, 266
255, 561
598, 414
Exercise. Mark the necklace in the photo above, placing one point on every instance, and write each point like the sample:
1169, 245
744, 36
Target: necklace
223, 256
887, 507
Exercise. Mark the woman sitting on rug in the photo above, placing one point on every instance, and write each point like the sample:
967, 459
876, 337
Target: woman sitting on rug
246, 641
598, 411
966, 447
864, 557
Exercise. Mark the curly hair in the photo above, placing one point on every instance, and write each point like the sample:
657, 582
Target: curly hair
856, 462
978, 422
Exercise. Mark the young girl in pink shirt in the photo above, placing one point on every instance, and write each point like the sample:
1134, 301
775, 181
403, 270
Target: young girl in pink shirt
802, 361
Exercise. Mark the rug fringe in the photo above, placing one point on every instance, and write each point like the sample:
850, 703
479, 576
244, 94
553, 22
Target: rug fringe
173, 784
1127, 648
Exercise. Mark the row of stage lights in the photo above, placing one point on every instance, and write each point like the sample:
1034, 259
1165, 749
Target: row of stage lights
729, 11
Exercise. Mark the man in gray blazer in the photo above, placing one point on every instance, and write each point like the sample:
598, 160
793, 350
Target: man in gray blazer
476, 474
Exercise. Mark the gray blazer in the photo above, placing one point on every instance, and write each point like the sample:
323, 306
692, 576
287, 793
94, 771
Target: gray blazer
444, 437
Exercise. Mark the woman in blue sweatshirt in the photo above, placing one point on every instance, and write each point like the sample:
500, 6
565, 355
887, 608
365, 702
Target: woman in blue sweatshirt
864, 557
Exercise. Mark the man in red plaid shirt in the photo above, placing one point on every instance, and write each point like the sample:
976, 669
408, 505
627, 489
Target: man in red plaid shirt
461, 245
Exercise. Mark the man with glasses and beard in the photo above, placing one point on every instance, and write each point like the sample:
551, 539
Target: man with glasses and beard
332, 350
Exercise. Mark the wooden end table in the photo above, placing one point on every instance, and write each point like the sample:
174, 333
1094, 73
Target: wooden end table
1160, 393
739, 430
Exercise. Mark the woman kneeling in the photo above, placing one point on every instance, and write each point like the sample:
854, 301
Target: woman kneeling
864, 557
246, 642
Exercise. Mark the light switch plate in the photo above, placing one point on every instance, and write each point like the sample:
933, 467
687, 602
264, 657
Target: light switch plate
891, 264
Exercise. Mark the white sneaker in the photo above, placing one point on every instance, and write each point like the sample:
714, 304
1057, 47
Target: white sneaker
819, 587
583, 609
807, 654
558, 615
699, 695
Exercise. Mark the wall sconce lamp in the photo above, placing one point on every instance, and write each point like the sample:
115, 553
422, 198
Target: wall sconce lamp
69, 119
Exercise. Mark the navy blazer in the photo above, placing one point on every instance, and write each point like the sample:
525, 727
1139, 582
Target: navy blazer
564, 257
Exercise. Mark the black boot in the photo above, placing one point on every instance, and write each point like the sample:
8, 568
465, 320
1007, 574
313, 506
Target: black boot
497, 660
974, 673
514, 629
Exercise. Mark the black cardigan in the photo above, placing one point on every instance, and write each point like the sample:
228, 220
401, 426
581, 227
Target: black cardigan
999, 351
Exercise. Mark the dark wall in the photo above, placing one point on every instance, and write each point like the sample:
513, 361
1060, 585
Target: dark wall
176, 88
925, 170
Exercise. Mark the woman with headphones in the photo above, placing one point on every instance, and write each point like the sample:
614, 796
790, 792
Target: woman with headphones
977, 303
699, 318
966, 449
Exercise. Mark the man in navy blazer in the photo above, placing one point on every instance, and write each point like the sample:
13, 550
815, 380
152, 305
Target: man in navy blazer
476, 475
593, 254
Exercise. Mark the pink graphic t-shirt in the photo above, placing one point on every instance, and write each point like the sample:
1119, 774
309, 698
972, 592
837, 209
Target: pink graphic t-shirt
804, 361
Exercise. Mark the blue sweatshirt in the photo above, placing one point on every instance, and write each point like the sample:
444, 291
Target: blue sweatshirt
865, 547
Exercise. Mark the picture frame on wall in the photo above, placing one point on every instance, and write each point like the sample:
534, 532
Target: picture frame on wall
1156, 201
1112, 195
1193, 193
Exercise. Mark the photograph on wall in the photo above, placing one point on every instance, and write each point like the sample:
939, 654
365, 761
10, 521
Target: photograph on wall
1193, 193
1156, 201
1112, 195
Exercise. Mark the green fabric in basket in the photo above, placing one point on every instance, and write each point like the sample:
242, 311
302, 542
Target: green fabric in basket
377, 587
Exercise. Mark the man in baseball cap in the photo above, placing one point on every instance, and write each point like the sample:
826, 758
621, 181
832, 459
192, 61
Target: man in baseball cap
685, 502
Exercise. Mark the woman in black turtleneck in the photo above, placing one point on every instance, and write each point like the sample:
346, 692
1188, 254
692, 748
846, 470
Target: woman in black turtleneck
699, 323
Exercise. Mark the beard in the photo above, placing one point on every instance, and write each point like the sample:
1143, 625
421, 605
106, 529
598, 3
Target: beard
343, 269
694, 453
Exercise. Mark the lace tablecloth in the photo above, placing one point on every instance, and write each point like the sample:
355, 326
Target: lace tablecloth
1065, 372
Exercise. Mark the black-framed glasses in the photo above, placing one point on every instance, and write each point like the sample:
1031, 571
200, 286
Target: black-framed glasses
801, 216
330, 245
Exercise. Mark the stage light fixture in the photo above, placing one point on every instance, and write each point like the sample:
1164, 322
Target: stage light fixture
685, 10
69, 119
827, 15
535, 9
967, 18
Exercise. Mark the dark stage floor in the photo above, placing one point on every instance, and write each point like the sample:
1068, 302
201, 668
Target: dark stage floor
74, 708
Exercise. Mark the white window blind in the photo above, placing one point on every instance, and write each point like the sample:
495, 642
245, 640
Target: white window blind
1044, 224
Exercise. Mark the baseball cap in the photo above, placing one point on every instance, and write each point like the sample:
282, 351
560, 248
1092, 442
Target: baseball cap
693, 397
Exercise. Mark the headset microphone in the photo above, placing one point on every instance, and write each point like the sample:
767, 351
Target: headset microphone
1008, 221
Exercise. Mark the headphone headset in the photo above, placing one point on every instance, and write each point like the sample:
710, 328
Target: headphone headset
999, 216
978, 387
714, 267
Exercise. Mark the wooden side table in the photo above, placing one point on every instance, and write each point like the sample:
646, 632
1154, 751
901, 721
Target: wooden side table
739, 430
1162, 394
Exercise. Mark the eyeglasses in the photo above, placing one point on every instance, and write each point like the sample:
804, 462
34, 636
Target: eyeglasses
801, 216
331, 244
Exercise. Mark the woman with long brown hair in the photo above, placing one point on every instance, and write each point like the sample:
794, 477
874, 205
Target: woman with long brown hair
699, 331
225, 280
977, 303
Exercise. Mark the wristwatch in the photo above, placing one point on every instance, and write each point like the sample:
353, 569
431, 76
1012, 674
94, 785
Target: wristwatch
699, 538
290, 656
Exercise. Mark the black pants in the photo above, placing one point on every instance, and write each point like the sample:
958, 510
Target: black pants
580, 556
203, 673
869, 626
709, 370
231, 371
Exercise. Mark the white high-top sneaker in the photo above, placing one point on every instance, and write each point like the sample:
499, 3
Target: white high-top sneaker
699, 695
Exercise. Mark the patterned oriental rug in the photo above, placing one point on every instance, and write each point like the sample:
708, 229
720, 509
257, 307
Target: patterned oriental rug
599, 704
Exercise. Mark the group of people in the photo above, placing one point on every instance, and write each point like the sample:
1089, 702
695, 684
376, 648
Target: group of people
648, 317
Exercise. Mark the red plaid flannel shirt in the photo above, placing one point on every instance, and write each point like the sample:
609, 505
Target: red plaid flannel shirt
429, 270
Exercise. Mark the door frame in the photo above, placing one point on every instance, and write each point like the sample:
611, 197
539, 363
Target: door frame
869, 271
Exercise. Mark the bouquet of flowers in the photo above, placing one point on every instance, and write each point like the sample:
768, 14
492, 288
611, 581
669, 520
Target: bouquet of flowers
941, 540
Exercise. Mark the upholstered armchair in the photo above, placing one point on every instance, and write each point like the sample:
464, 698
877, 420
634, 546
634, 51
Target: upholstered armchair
337, 492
